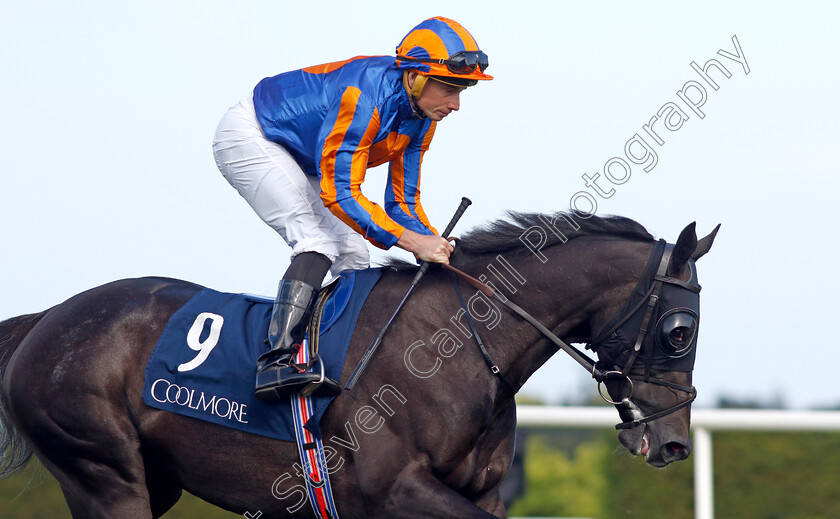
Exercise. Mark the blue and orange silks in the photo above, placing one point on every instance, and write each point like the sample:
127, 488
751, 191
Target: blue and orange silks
339, 119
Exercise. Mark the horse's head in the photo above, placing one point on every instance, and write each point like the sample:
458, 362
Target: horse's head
640, 318
646, 351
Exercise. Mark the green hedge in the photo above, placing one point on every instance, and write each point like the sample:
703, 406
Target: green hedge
757, 475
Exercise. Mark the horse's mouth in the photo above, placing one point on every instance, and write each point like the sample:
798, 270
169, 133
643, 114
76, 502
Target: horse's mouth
644, 448
637, 441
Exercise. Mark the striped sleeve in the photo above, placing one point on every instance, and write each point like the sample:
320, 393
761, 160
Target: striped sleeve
402, 195
347, 137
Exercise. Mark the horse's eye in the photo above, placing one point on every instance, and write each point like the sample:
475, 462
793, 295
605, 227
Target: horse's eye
677, 330
678, 335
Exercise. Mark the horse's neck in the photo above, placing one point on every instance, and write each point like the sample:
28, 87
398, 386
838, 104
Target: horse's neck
579, 279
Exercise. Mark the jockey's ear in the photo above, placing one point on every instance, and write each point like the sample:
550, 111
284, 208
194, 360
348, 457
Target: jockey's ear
414, 83
411, 77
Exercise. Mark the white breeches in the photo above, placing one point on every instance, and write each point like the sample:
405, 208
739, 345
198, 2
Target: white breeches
285, 197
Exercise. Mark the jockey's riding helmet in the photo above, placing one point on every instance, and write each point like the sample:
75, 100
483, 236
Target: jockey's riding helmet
442, 49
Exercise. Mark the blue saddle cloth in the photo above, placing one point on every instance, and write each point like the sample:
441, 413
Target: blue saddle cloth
204, 364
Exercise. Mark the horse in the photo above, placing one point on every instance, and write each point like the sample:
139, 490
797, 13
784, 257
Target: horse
427, 432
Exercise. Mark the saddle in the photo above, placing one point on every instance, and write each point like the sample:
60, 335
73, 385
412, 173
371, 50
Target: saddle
204, 362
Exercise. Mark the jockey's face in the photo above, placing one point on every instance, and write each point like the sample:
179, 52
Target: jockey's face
439, 99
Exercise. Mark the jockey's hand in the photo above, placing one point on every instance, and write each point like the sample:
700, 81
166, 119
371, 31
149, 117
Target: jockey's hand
433, 249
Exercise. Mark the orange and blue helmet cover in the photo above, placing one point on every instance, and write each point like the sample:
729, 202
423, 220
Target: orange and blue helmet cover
435, 39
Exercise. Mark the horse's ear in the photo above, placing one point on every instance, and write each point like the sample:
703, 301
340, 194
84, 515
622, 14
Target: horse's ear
705, 244
684, 248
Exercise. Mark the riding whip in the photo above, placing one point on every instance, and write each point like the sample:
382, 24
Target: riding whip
465, 202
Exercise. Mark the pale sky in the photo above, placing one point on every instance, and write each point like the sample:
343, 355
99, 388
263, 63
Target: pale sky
109, 110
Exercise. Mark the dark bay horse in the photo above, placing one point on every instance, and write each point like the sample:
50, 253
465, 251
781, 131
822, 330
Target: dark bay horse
427, 432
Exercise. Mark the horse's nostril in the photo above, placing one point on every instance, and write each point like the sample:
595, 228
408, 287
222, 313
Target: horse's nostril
676, 451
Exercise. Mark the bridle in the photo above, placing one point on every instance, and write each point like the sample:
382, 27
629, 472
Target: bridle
653, 299
600, 370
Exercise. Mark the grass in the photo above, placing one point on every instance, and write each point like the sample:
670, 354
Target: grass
35, 494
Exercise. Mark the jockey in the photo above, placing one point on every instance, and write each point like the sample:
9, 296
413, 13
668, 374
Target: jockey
297, 151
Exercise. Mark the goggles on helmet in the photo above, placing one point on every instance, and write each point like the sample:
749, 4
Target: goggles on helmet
464, 62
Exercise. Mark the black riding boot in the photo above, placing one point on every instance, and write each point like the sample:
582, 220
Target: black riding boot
277, 375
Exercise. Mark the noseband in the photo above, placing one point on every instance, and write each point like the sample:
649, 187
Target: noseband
601, 371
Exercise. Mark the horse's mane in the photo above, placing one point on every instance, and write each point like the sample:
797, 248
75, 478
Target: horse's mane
505, 235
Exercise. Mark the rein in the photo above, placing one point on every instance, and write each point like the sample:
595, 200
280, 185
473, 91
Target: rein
580, 357
591, 366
